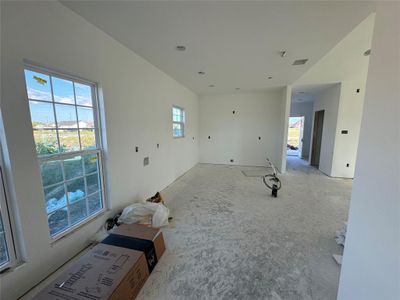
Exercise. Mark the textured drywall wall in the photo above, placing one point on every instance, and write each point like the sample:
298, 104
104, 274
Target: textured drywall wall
304, 109
328, 100
349, 119
236, 135
371, 262
137, 106
343, 107
286, 99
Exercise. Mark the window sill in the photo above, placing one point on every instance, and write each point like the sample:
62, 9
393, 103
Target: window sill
15, 265
76, 227
18, 264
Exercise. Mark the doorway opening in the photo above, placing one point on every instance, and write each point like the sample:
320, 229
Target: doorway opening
295, 136
317, 137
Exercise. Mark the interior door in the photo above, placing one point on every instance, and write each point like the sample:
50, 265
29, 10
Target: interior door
317, 137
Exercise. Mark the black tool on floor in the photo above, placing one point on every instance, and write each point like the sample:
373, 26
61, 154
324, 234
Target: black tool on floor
274, 191
271, 180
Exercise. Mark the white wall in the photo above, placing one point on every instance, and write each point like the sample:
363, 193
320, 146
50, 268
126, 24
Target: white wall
349, 118
137, 102
299, 110
371, 262
286, 99
328, 100
235, 136
343, 111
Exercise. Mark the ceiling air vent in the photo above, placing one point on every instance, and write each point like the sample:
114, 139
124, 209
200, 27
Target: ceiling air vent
300, 62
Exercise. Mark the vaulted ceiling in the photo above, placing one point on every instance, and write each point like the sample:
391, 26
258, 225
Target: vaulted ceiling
236, 44
347, 61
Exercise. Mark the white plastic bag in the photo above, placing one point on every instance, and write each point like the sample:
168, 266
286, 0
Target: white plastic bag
143, 212
160, 217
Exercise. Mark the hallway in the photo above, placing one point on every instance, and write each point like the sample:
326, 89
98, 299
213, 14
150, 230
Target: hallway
230, 239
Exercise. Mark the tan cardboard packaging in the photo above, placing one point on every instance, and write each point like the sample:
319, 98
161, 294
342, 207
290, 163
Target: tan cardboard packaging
105, 272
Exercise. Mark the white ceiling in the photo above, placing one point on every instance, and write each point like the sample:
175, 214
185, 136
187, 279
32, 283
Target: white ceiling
345, 62
235, 43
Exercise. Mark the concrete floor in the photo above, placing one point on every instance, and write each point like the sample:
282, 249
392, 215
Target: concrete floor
230, 240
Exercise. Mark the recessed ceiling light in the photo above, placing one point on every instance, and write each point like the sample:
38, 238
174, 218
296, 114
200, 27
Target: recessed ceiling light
269, 77
368, 52
201, 73
300, 61
211, 85
180, 48
237, 89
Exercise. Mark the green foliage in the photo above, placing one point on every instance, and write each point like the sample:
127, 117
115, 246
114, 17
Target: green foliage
36, 124
46, 148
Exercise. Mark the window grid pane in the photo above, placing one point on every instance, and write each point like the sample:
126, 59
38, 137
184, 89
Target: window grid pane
82, 185
3, 244
64, 120
38, 86
63, 106
7, 250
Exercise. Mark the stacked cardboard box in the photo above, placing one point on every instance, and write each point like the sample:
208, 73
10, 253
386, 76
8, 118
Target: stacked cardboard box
117, 268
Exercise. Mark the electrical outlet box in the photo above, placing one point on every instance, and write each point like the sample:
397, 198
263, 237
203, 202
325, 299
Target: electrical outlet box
146, 161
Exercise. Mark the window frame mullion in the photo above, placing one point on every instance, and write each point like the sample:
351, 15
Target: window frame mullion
5, 216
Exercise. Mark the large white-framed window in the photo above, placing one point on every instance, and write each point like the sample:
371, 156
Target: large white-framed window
66, 128
178, 122
7, 247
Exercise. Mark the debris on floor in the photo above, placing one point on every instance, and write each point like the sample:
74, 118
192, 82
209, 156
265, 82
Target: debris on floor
341, 235
338, 258
152, 212
156, 198
111, 222
340, 240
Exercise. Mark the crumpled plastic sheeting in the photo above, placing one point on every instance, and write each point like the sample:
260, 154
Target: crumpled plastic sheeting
341, 235
143, 212
338, 258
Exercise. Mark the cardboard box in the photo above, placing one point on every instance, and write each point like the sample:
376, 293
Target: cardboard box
105, 272
138, 237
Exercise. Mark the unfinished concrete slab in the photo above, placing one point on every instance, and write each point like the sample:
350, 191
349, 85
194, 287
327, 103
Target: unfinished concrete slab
231, 240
